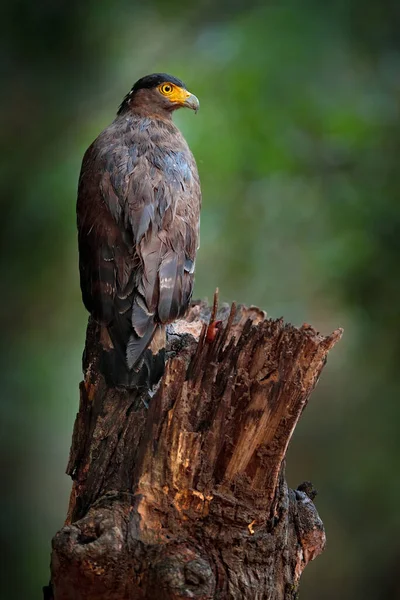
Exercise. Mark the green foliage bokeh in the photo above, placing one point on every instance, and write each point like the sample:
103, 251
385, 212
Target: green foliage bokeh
297, 145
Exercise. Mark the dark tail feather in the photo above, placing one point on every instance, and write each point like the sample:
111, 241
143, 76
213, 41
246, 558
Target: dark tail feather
117, 374
147, 370
153, 365
137, 346
143, 328
134, 361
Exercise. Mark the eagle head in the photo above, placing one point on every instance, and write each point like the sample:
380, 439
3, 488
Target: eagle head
158, 94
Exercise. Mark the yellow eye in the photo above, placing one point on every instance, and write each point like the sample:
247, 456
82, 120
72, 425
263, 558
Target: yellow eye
166, 88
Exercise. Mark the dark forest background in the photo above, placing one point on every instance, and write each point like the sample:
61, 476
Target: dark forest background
297, 143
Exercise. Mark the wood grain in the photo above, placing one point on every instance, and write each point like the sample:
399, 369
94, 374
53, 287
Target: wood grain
187, 499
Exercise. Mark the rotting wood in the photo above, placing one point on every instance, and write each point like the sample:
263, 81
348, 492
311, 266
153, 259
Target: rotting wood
187, 499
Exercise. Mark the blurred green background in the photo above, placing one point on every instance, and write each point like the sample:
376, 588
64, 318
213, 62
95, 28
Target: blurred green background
297, 143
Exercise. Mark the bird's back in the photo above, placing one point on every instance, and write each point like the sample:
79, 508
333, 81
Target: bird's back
138, 222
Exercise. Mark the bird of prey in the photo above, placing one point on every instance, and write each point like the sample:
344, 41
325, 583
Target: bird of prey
138, 214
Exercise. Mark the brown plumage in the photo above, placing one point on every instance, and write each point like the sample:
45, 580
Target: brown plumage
138, 215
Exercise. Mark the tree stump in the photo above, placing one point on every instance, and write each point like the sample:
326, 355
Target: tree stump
187, 498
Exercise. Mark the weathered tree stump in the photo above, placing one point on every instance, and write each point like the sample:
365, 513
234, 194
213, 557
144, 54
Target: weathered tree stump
187, 499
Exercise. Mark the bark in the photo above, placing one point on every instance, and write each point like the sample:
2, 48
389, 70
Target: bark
187, 498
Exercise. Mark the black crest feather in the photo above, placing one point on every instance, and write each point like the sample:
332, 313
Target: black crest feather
148, 82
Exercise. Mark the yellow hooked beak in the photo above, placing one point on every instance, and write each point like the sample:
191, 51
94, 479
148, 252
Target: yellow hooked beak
184, 98
191, 101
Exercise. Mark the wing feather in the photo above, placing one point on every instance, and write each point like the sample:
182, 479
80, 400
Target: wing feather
138, 212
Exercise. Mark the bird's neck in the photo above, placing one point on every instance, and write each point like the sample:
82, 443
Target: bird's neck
144, 112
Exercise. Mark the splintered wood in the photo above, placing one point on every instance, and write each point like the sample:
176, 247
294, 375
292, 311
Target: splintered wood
187, 498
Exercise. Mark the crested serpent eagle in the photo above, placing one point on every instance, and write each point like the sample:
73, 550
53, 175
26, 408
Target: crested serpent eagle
138, 215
